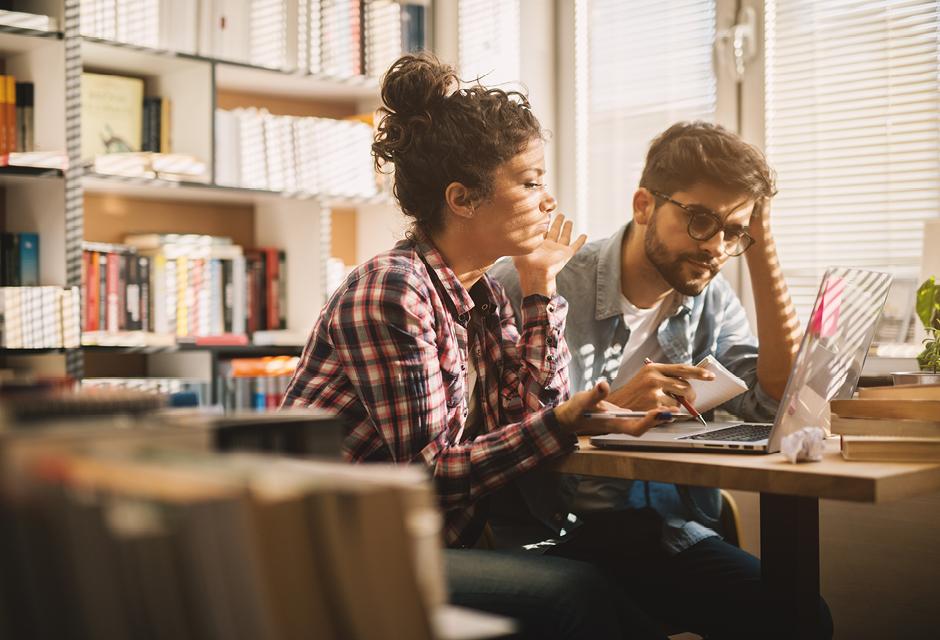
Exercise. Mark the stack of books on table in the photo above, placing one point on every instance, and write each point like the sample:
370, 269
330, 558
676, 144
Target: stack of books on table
900, 423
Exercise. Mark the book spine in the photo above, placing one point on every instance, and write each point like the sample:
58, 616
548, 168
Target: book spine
102, 291
91, 291
4, 145
282, 289
143, 271
132, 293
28, 266
11, 259
183, 297
228, 295
164, 138
9, 107
112, 285
272, 284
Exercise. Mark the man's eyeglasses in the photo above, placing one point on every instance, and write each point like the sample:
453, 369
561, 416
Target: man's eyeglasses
705, 223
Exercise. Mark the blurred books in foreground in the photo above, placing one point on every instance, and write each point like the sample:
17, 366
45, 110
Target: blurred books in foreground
119, 518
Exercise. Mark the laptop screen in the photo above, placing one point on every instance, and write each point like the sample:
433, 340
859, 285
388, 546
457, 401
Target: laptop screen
833, 349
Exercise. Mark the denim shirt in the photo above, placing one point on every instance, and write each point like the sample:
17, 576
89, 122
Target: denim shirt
711, 323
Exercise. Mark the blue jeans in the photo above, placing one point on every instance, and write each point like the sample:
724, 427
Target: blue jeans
551, 598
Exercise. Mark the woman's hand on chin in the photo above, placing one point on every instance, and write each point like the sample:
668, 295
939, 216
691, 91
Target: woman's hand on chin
537, 270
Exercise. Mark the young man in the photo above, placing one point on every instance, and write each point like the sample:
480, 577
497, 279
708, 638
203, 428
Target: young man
653, 291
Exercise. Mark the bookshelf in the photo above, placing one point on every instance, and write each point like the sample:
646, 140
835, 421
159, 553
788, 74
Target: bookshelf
83, 203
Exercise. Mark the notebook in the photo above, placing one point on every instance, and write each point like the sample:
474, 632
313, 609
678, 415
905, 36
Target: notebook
712, 393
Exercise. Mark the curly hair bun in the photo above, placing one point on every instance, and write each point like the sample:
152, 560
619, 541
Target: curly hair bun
416, 84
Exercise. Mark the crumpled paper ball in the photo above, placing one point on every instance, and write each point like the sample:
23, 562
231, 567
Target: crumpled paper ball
805, 445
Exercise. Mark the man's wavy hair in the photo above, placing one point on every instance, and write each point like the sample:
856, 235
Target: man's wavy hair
689, 153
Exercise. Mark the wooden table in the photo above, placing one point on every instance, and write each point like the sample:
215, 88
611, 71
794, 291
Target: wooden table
789, 501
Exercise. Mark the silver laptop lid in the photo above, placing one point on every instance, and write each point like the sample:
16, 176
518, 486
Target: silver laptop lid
833, 349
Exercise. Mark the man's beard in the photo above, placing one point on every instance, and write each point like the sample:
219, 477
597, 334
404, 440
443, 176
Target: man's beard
670, 267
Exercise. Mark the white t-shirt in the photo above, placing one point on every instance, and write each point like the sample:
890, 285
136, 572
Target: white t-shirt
643, 341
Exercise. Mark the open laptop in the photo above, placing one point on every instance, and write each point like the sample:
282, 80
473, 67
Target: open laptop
827, 367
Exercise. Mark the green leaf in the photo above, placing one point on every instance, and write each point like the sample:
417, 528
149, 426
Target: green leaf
928, 303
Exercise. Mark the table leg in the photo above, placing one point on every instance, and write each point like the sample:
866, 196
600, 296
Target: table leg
789, 544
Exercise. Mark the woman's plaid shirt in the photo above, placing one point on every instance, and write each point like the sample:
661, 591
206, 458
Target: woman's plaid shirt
389, 354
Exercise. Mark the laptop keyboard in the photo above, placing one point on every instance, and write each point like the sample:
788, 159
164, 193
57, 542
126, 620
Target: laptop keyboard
738, 433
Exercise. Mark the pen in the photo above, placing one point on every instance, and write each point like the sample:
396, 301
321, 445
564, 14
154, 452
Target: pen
685, 403
662, 415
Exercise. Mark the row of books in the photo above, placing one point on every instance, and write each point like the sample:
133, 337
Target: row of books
259, 150
198, 389
17, 120
333, 37
19, 259
119, 530
117, 117
254, 383
183, 285
39, 317
899, 423
24, 20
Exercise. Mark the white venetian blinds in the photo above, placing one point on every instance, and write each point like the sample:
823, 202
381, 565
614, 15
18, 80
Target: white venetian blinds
488, 41
649, 65
853, 130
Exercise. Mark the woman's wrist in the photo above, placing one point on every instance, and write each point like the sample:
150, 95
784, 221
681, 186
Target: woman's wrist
542, 286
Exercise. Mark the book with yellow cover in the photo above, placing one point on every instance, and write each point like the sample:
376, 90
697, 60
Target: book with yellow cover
112, 114
884, 408
888, 449
893, 427
901, 391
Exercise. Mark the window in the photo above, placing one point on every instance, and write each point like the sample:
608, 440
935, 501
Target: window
648, 65
488, 41
853, 130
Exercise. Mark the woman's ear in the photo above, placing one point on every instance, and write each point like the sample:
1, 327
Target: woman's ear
459, 200
643, 205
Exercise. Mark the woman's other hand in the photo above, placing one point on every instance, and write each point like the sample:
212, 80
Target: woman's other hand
537, 270
570, 415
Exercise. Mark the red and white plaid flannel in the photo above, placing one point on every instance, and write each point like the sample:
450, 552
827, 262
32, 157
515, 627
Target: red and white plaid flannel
389, 354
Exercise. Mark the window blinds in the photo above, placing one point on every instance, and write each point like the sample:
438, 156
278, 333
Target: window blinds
488, 41
853, 130
649, 65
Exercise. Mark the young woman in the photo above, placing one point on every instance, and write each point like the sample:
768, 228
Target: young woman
419, 350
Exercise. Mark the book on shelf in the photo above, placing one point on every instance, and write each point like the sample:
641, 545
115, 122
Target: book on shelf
890, 448
112, 114
39, 317
886, 427
254, 383
166, 24
150, 165
258, 150
25, 117
19, 259
886, 408
24, 20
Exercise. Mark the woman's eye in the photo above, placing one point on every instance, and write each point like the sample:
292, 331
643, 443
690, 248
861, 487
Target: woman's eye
534, 185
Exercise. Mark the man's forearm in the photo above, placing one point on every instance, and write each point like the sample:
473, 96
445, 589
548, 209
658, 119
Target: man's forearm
778, 328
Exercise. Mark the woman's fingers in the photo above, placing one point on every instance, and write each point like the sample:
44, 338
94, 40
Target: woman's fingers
555, 229
579, 243
565, 236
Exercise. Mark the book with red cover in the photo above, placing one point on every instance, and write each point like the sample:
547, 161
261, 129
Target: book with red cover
91, 282
112, 284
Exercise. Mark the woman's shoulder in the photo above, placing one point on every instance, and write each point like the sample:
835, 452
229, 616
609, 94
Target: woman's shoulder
395, 270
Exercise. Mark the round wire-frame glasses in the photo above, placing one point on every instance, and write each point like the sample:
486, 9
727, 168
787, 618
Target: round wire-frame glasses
705, 223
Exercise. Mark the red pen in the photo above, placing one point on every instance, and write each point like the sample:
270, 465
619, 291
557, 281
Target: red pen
685, 403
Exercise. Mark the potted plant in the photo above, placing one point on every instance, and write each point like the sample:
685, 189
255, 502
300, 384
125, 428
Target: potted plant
928, 310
